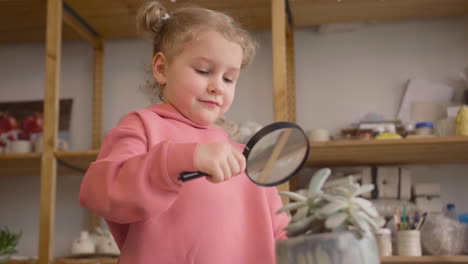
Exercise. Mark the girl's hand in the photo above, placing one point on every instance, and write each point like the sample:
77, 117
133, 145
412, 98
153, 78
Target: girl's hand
219, 160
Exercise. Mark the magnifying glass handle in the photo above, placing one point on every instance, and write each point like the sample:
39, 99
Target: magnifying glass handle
187, 176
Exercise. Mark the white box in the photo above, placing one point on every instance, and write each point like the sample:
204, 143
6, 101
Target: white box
427, 189
452, 111
387, 182
366, 178
429, 204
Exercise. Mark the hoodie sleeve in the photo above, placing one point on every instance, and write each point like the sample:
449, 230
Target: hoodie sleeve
131, 182
280, 221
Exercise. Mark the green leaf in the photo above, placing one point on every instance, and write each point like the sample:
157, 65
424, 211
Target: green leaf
293, 195
300, 226
364, 189
291, 206
318, 180
301, 213
336, 220
333, 207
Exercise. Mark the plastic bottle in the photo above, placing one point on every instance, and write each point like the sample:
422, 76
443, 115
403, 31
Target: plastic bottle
451, 212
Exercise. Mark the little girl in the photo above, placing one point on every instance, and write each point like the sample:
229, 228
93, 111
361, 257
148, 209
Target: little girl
133, 184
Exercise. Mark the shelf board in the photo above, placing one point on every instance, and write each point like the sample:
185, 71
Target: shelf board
425, 259
32, 261
85, 261
391, 151
29, 164
20, 164
80, 159
307, 13
116, 19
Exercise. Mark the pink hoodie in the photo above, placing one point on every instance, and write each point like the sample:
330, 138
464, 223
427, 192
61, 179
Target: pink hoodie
155, 218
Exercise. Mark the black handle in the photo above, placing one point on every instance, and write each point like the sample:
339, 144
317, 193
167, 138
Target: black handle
187, 176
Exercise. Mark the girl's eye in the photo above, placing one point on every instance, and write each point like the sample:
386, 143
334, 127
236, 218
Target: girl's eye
202, 72
228, 80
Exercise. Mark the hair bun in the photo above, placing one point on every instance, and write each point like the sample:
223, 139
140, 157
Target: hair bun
150, 19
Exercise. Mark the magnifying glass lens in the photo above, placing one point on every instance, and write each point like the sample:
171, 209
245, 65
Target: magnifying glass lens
276, 156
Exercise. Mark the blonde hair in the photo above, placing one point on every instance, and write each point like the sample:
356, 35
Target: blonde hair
170, 31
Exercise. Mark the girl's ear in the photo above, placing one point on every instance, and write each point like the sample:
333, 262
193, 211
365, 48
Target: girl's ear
159, 68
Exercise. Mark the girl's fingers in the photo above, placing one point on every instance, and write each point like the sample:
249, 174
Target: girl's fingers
216, 175
240, 160
226, 170
234, 165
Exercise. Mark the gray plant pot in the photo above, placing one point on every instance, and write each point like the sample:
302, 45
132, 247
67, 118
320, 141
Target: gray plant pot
328, 248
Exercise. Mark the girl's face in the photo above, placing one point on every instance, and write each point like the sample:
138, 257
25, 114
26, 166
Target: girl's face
200, 81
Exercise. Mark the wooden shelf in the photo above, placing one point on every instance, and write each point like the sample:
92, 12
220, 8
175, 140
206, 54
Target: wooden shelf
29, 164
28, 261
20, 164
80, 159
307, 13
114, 19
86, 261
426, 259
392, 151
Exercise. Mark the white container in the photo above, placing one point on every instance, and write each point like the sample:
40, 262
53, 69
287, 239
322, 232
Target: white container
409, 243
19, 146
384, 241
445, 127
425, 128
318, 135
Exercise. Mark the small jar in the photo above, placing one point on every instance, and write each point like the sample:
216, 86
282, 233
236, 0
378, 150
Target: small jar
409, 243
409, 130
424, 128
384, 241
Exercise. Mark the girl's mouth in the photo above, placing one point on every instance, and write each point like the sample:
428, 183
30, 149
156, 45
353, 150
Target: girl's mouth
209, 102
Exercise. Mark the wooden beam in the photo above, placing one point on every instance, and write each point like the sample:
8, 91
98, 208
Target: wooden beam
98, 77
290, 73
71, 19
280, 107
279, 60
291, 81
51, 112
95, 221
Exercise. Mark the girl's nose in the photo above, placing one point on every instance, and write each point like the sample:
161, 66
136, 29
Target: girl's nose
215, 87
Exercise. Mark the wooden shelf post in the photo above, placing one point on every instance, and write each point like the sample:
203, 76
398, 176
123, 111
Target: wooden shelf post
77, 23
51, 112
283, 66
95, 221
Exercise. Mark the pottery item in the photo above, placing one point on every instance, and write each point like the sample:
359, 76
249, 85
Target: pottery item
328, 248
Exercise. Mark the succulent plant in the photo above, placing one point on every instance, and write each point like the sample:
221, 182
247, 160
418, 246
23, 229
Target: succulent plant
336, 209
8, 243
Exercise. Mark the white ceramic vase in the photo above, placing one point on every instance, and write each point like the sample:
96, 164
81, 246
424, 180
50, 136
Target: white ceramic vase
328, 248
83, 245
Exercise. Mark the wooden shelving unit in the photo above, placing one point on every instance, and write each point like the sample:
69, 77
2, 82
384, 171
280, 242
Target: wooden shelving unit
392, 151
115, 19
425, 259
28, 164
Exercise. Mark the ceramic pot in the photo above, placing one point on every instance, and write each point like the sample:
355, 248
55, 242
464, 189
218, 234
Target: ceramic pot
328, 248
83, 245
105, 243
19, 146
107, 246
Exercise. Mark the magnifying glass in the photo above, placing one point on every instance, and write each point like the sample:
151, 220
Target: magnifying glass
274, 154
